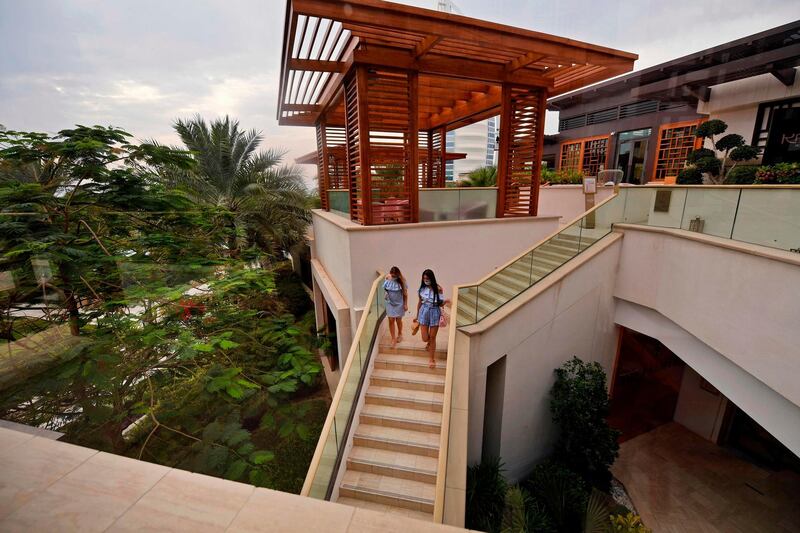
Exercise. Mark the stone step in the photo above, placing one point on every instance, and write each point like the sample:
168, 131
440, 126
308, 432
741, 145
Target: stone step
401, 418
408, 363
407, 380
418, 350
381, 508
394, 397
393, 464
409, 494
398, 440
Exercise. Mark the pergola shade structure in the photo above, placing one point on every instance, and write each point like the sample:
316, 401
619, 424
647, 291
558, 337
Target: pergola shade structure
383, 83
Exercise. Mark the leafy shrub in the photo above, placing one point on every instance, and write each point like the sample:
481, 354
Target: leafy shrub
523, 513
579, 404
486, 495
560, 492
628, 523
741, 175
561, 177
689, 176
732, 147
782, 173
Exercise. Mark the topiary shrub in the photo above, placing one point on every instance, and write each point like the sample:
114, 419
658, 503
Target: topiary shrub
587, 445
741, 175
732, 147
486, 495
689, 176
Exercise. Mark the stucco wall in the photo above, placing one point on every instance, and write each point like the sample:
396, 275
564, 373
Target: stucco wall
567, 201
737, 102
744, 306
572, 316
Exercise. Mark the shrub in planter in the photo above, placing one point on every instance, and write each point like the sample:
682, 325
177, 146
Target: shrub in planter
732, 147
741, 175
486, 495
782, 173
587, 445
628, 523
523, 514
689, 176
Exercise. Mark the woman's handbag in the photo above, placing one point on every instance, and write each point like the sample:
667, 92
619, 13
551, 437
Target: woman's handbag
443, 319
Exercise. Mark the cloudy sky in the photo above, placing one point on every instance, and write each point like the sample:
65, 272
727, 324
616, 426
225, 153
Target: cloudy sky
140, 64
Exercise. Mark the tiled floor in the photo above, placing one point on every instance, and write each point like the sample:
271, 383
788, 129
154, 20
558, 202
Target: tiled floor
680, 482
50, 486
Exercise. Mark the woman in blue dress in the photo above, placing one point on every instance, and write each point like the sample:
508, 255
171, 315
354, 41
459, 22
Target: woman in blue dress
429, 312
396, 302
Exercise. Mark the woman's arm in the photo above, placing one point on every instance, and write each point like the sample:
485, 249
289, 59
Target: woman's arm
405, 299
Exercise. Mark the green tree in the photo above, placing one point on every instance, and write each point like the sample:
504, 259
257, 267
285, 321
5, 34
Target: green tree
481, 177
268, 203
579, 404
704, 160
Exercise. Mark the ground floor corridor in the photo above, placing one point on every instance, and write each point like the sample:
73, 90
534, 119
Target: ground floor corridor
681, 482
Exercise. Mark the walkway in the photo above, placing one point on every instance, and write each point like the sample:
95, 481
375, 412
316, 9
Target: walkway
680, 482
393, 462
47, 485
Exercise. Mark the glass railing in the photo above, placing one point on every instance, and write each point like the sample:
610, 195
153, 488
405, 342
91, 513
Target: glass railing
469, 203
328, 456
339, 200
767, 216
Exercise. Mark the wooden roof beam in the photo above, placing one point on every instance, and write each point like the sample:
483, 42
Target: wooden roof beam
446, 66
523, 61
306, 108
425, 45
317, 65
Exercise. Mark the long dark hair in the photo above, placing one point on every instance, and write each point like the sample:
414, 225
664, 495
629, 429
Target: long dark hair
396, 272
434, 286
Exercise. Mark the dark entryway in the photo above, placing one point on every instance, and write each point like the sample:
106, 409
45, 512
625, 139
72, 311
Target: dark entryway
646, 385
745, 436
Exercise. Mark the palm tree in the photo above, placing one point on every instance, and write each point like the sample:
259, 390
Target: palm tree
269, 202
481, 177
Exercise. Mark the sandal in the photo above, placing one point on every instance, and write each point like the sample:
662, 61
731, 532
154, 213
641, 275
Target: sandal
431, 364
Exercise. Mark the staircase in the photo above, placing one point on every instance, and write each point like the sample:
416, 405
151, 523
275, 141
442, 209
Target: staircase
510, 281
393, 462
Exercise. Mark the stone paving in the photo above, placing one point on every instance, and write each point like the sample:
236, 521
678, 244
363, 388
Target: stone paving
47, 486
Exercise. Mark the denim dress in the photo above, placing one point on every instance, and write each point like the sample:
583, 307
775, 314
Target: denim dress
394, 298
429, 311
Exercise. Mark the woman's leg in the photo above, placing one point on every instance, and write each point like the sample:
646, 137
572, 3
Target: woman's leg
391, 330
432, 331
424, 333
399, 329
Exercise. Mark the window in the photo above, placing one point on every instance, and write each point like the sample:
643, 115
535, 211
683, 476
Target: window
571, 156
675, 141
584, 155
764, 120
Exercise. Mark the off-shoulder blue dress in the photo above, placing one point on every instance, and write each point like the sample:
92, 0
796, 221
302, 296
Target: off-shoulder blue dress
394, 298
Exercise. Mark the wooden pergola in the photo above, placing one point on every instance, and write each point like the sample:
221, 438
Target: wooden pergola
383, 83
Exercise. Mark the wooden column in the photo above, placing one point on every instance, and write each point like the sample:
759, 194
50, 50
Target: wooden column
520, 152
506, 125
441, 164
322, 165
429, 173
365, 168
411, 177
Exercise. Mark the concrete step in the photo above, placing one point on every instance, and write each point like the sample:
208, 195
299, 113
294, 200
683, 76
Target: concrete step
381, 508
417, 350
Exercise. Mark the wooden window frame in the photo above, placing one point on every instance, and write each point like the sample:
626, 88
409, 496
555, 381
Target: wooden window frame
698, 143
583, 141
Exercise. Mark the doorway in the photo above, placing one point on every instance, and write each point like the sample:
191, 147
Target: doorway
632, 154
493, 409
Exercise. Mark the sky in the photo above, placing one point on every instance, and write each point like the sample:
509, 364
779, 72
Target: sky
141, 64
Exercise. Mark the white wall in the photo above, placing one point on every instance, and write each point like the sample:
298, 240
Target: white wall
743, 305
737, 102
567, 201
699, 409
572, 316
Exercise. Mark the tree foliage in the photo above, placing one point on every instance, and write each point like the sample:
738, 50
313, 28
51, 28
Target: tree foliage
187, 355
705, 160
579, 404
481, 177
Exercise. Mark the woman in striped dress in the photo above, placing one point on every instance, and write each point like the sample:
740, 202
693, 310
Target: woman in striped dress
429, 312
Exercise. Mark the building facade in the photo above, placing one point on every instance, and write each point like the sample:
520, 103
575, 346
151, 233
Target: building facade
644, 123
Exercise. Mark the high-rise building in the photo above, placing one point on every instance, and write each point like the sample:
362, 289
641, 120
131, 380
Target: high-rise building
476, 140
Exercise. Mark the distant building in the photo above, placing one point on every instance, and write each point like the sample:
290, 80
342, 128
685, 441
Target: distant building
476, 140
644, 123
